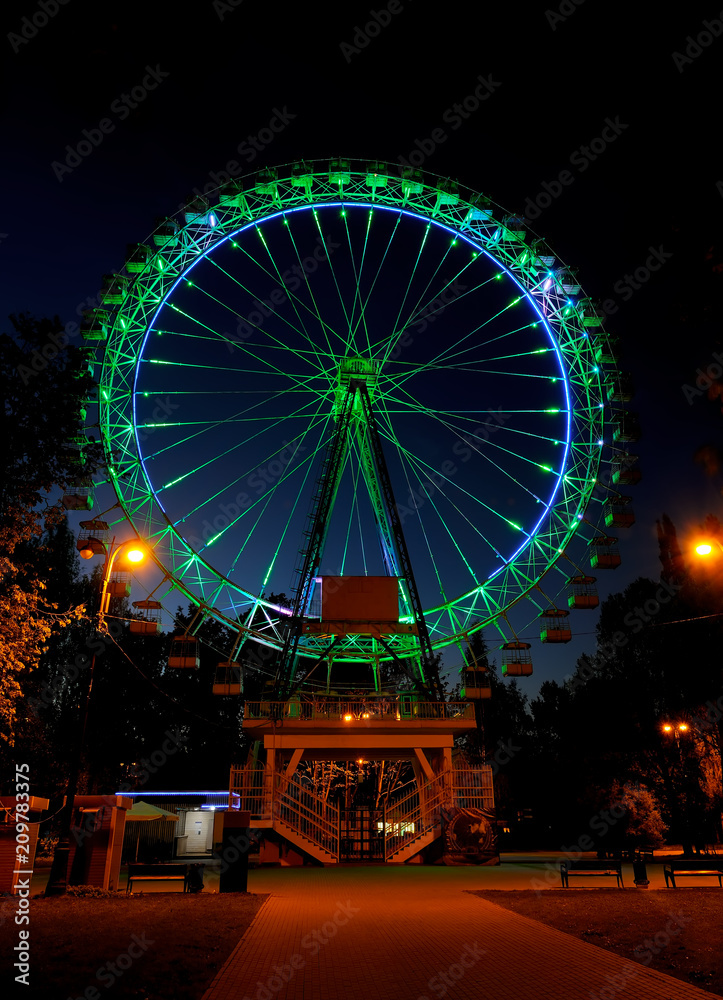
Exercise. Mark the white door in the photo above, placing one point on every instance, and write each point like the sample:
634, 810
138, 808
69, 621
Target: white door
199, 828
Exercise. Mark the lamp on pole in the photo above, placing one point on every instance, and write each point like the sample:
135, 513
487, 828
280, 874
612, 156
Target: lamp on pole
705, 546
674, 730
58, 879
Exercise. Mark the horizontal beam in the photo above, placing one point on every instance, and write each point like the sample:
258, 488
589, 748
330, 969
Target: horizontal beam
382, 742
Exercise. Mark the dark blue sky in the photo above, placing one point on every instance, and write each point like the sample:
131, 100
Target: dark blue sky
170, 98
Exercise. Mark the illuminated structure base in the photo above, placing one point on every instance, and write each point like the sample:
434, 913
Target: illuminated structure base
303, 825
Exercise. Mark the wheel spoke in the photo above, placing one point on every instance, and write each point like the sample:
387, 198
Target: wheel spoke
362, 315
357, 278
224, 453
391, 255
275, 275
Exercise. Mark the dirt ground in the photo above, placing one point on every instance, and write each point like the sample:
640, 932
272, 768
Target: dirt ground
679, 932
147, 946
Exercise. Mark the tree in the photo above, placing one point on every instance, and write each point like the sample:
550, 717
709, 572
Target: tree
502, 738
45, 718
625, 815
44, 387
656, 661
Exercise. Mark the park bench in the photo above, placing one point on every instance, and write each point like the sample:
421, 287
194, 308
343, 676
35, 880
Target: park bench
690, 868
593, 868
157, 873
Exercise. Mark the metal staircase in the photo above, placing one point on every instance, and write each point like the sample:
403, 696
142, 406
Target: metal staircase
306, 819
412, 817
289, 807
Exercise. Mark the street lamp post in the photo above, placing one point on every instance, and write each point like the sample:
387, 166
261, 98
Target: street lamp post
58, 879
674, 729
706, 546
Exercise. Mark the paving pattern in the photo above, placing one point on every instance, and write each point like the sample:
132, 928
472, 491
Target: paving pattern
414, 933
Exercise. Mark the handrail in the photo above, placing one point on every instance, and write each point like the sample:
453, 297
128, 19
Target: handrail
414, 810
415, 813
286, 799
365, 710
472, 788
307, 813
248, 785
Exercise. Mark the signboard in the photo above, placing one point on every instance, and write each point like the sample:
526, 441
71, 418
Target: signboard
359, 598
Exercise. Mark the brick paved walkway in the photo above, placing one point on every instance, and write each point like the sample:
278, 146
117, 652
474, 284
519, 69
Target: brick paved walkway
413, 933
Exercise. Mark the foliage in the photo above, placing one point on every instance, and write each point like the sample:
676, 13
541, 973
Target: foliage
655, 660
644, 822
45, 386
46, 846
43, 390
355, 783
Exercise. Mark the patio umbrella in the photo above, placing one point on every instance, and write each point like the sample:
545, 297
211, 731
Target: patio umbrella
145, 812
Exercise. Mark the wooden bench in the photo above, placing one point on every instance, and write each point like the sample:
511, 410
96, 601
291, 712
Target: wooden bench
690, 868
592, 868
157, 873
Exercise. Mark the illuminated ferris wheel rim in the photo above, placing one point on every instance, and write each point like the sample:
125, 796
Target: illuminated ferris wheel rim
268, 195
339, 204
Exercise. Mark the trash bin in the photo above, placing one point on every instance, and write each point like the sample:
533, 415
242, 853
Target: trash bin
195, 877
640, 870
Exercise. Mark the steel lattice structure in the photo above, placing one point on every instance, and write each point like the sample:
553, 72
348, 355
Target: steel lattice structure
388, 247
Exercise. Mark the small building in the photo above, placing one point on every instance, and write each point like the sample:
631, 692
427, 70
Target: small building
192, 836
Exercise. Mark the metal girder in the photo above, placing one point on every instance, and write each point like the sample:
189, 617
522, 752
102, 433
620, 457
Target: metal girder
428, 669
389, 525
319, 517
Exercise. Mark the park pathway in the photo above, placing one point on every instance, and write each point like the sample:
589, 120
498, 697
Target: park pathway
414, 933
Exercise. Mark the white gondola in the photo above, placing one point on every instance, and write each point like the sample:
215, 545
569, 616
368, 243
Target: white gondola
94, 325
583, 593
475, 683
604, 552
339, 172
412, 182
266, 182
377, 175
227, 680
149, 620
79, 496
94, 537
137, 256
625, 427
625, 470
184, 653
114, 289
119, 584
618, 512
555, 626
516, 659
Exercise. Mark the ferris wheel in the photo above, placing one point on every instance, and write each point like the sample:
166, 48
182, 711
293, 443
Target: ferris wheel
481, 376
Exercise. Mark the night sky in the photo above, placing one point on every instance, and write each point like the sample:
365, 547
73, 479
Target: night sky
170, 98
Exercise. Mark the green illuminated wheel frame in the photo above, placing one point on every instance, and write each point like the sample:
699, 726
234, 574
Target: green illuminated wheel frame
220, 383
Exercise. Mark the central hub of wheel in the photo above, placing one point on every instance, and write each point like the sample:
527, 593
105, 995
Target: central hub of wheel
356, 369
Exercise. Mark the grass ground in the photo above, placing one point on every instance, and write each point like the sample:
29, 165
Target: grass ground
678, 932
175, 944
